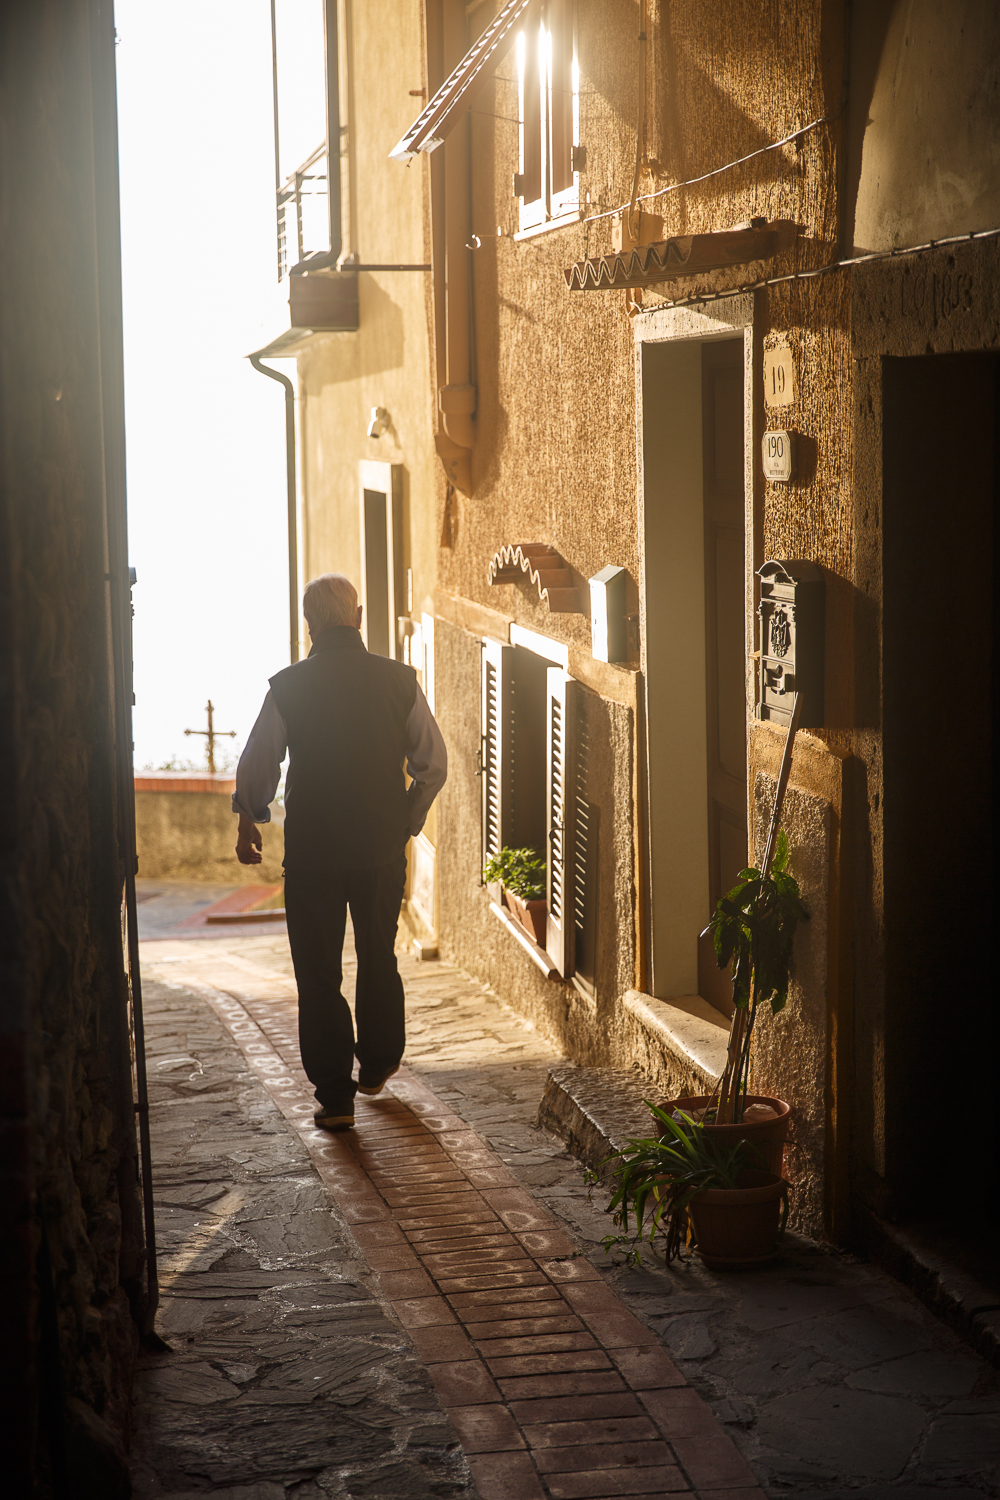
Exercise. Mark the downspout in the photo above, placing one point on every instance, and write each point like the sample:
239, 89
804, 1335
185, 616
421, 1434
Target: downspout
453, 281
293, 540
333, 187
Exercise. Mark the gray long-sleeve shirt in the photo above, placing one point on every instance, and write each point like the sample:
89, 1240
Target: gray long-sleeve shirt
259, 770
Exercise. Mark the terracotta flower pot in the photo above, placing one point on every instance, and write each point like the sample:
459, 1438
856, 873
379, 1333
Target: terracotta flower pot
767, 1137
737, 1228
531, 915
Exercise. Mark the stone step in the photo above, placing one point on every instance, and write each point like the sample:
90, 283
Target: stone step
596, 1110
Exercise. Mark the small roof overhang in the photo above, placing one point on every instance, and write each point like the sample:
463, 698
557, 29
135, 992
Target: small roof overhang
443, 112
684, 255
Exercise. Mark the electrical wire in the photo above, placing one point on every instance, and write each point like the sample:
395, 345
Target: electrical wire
833, 265
675, 187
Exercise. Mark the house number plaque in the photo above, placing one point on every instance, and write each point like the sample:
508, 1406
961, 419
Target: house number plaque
779, 381
778, 449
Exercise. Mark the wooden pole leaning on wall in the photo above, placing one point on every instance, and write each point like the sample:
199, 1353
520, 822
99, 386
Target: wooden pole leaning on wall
779, 796
728, 1084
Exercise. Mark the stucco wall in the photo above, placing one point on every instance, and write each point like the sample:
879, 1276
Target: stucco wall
192, 836
925, 114
387, 362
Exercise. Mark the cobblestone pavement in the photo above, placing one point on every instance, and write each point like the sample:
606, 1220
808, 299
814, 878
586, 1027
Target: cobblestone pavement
286, 1376
830, 1378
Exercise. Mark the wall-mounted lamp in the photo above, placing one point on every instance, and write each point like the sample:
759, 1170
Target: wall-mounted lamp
379, 422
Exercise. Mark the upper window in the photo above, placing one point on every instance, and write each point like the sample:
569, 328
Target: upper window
300, 131
548, 77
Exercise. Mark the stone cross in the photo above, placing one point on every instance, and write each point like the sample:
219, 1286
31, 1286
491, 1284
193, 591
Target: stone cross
212, 734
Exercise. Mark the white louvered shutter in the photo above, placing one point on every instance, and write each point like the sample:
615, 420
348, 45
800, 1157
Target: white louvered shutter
497, 745
560, 716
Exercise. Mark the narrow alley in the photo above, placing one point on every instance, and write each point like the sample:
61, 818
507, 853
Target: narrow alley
423, 1307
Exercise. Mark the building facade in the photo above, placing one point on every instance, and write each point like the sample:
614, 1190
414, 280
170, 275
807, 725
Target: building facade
659, 295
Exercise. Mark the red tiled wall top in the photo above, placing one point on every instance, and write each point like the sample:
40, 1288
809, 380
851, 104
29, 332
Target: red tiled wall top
185, 781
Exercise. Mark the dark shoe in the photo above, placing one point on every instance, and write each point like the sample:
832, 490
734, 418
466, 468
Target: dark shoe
327, 1120
374, 1083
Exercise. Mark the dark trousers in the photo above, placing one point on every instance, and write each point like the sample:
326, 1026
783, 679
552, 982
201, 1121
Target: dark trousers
316, 910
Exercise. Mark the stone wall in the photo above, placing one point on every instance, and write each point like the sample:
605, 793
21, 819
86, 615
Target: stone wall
192, 836
71, 1276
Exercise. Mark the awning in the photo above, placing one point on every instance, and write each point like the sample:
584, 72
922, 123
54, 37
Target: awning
441, 115
685, 255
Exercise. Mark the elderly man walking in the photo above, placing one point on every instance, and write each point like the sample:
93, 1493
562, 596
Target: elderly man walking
349, 720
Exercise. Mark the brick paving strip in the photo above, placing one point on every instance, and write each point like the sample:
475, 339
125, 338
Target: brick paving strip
553, 1386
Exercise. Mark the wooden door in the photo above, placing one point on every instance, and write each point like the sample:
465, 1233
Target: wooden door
725, 649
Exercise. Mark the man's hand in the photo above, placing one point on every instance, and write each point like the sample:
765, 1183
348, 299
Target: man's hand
248, 842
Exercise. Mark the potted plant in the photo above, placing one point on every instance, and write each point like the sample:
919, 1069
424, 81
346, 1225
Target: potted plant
521, 873
753, 929
700, 1191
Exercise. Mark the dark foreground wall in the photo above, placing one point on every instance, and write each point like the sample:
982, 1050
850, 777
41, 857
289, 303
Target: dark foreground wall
71, 1258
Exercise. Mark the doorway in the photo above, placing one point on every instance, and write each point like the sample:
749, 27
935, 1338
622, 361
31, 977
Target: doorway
940, 485
694, 555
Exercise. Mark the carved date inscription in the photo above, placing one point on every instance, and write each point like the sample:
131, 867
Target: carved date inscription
932, 297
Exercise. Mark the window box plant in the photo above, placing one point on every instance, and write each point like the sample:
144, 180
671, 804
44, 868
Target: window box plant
521, 873
700, 1190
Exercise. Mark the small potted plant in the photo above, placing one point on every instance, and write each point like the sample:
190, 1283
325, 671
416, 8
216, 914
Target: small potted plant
521, 873
700, 1191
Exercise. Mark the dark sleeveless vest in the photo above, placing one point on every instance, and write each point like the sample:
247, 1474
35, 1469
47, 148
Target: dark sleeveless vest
345, 710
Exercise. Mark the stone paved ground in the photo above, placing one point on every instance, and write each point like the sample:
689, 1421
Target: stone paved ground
831, 1379
286, 1376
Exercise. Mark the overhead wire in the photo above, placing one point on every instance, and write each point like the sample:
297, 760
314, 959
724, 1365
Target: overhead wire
834, 265
675, 187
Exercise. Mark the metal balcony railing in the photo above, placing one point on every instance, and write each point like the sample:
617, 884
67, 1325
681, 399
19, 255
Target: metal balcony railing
303, 212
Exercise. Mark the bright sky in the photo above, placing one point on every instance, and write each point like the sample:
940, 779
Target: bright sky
205, 432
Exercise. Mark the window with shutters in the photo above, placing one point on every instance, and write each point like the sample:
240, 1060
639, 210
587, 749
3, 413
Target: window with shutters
529, 796
548, 77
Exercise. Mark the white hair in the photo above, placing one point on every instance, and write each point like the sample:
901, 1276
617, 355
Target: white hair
330, 599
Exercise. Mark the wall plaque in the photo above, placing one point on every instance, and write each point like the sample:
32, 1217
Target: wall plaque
779, 381
778, 451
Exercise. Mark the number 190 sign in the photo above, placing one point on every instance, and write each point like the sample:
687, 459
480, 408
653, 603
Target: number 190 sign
777, 449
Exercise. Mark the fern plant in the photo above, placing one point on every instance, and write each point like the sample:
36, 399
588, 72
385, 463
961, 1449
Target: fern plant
753, 929
656, 1180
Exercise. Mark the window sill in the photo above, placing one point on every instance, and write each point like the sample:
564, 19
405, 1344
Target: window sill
531, 948
687, 1028
561, 221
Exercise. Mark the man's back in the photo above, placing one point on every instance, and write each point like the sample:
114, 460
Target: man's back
346, 712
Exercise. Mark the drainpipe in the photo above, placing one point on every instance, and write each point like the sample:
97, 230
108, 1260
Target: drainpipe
293, 541
453, 282
333, 189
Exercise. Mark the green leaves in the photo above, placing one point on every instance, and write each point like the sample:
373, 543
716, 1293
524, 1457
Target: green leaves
519, 870
753, 929
657, 1178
